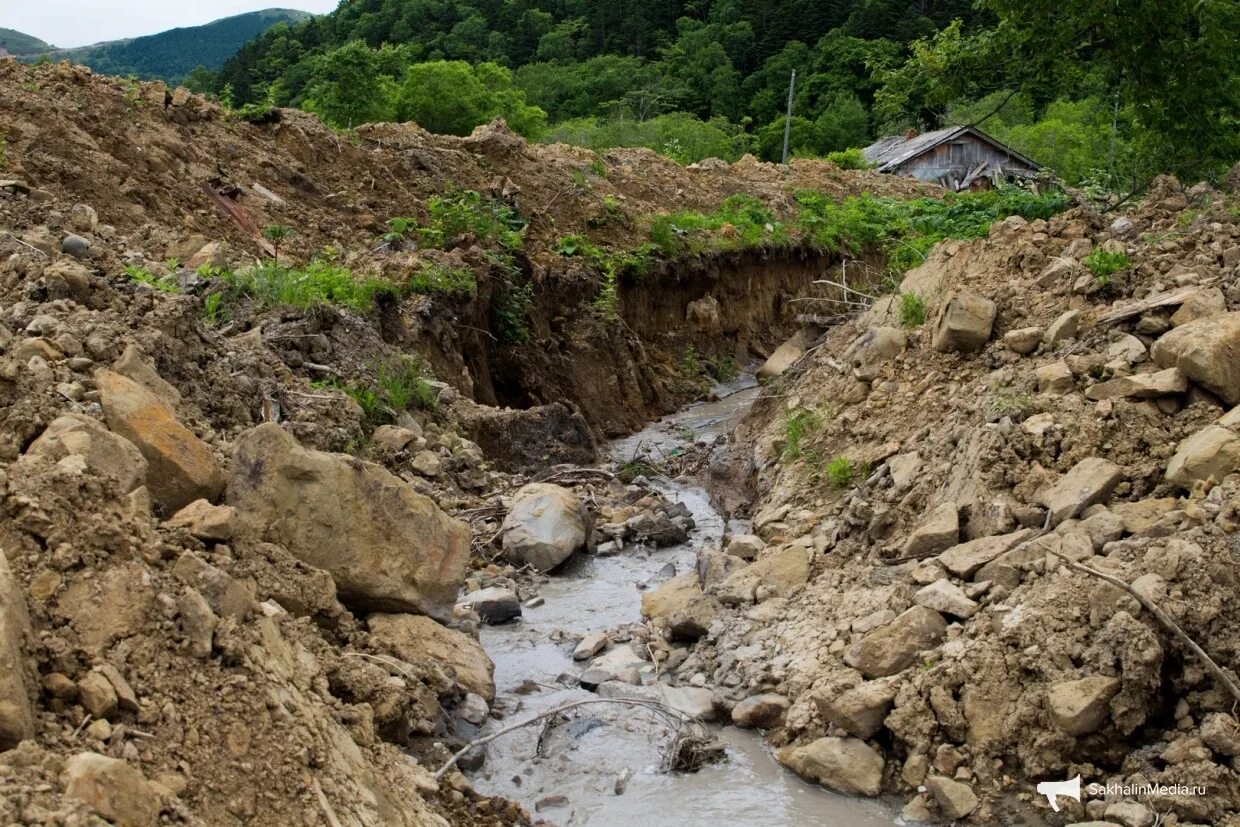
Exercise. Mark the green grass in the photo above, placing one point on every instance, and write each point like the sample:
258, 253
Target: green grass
849, 159
444, 280
799, 424
141, 275
213, 310
277, 285
398, 384
841, 472
467, 212
912, 310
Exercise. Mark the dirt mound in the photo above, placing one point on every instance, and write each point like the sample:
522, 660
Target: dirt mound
1043, 409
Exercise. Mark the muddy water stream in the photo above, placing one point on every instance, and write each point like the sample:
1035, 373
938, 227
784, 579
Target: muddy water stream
572, 779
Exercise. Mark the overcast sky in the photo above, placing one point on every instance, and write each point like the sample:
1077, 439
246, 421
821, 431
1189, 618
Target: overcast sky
67, 23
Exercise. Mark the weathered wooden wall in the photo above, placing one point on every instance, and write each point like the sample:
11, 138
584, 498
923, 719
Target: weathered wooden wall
956, 159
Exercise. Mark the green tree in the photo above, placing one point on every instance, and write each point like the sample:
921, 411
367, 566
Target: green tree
349, 87
452, 97
843, 123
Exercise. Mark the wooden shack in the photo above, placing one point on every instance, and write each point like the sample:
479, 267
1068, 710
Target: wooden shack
959, 158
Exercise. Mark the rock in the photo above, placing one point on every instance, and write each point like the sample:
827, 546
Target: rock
893, 647
16, 714
545, 526
1062, 329
132, 365
75, 246
776, 574
955, 798
205, 521
473, 709
964, 323
620, 664
1122, 227
860, 710
97, 695
1207, 351
67, 279
105, 453
1203, 303
904, 468
426, 464
1210, 454
784, 356
660, 603
939, 531
1221, 733
704, 314
1081, 706
846, 765
744, 546
590, 645
226, 595
112, 789
421, 640
83, 218
1055, 378
695, 701
198, 623
387, 547
967, 558
693, 620
873, 348
765, 710
494, 605
1128, 348
1090, 481
180, 466
1023, 340
1130, 814
1140, 386
946, 597
393, 439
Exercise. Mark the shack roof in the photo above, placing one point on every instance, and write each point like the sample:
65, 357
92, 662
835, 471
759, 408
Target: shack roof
890, 152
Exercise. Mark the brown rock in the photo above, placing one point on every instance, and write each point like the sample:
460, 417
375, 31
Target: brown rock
419, 639
894, 646
387, 547
1081, 706
1090, 481
112, 789
181, 468
104, 452
940, 530
16, 714
662, 602
206, 521
765, 710
860, 710
1141, 386
132, 365
1208, 351
846, 765
1210, 454
964, 323
97, 695
776, 574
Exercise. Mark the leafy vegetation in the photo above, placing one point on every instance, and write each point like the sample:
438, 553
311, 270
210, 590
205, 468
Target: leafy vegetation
1104, 265
841, 471
276, 233
443, 279
141, 275
912, 310
398, 384
19, 44
800, 423
321, 282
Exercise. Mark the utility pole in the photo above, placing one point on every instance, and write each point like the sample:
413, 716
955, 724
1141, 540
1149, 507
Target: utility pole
792, 84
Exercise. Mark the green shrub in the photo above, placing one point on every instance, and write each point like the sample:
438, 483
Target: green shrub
1105, 265
141, 275
402, 384
276, 285
574, 244
460, 212
213, 312
398, 229
511, 303
849, 159
912, 310
443, 279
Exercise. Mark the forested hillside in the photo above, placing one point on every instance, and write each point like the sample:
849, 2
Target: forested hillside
173, 54
18, 43
1101, 97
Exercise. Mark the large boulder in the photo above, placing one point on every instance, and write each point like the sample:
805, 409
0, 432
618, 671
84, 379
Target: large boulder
16, 716
846, 765
964, 323
869, 351
860, 710
776, 574
1141, 385
894, 646
180, 466
1211, 453
417, 639
1208, 351
659, 604
545, 526
112, 789
938, 531
387, 547
784, 356
104, 453
1091, 481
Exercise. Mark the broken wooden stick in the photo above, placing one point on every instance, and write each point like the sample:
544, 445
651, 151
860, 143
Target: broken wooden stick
1162, 617
675, 717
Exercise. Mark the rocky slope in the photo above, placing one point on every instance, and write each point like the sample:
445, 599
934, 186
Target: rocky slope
209, 614
919, 493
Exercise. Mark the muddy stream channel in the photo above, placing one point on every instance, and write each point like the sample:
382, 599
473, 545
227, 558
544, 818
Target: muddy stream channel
600, 764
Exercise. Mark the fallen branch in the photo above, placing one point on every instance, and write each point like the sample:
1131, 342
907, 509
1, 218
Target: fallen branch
1162, 617
676, 718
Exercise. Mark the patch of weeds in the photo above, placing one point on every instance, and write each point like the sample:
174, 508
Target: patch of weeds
1185, 219
849, 159
443, 279
607, 302
841, 472
1105, 265
726, 369
690, 363
276, 233
598, 168
141, 275
800, 423
172, 264
398, 229
4, 151
511, 303
461, 212
1004, 403
575, 244
133, 95
275, 285
912, 310
611, 214
631, 469
402, 384
580, 180
213, 310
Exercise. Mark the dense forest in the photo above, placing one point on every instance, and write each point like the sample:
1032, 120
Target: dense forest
1105, 93
18, 43
173, 54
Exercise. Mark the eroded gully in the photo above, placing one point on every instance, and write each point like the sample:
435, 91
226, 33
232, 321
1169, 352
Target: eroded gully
573, 776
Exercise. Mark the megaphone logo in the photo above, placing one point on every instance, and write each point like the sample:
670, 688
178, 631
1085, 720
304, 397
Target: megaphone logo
1053, 789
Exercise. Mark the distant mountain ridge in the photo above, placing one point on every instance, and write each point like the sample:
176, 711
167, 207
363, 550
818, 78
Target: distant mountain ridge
173, 54
17, 44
